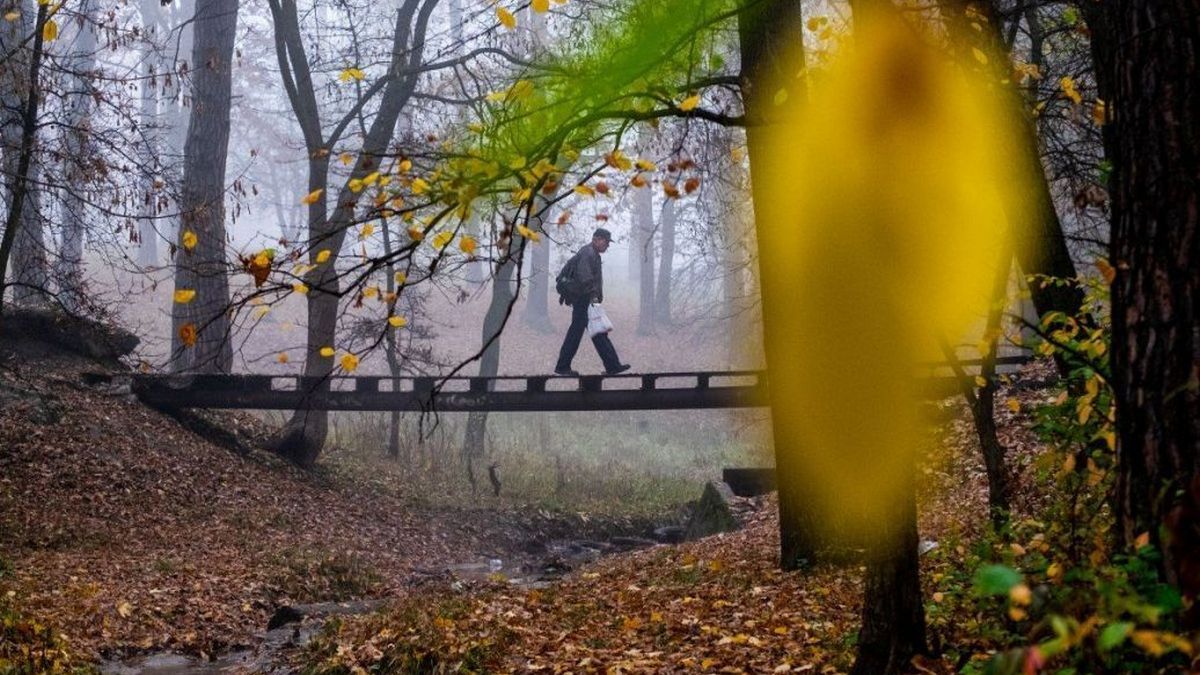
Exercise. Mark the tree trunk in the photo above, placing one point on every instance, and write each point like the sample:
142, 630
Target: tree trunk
20, 99
303, 436
147, 254
643, 241
767, 32
1155, 250
893, 616
69, 271
204, 268
662, 299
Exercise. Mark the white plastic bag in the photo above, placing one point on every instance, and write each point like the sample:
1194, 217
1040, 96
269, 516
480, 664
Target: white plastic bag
597, 321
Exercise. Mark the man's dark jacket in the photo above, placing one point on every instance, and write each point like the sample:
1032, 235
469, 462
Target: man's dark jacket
589, 273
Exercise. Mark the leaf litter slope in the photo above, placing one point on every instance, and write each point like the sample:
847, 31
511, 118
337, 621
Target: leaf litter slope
125, 531
715, 605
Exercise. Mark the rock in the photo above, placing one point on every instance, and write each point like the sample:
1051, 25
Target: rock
40, 331
669, 534
713, 514
631, 543
749, 482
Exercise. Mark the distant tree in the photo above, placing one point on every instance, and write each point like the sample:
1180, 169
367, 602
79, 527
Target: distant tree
200, 318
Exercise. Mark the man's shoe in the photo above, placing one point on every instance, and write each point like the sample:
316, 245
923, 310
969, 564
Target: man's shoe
619, 369
566, 373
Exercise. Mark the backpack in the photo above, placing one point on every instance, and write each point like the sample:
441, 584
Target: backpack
566, 284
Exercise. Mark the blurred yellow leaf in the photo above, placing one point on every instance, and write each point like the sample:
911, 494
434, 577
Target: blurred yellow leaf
528, 233
49, 30
349, 363
1013, 405
397, 321
346, 158
282, 358
540, 6
584, 191
312, 197
189, 240
323, 255
1069, 90
326, 351
185, 295
401, 277
441, 239
300, 288
351, 74
124, 609
467, 244
979, 55
689, 103
367, 230
419, 186
506, 18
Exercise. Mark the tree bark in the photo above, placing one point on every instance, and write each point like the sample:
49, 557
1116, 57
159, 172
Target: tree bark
643, 241
205, 268
768, 30
1155, 249
69, 271
20, 96
303, 436
662, 294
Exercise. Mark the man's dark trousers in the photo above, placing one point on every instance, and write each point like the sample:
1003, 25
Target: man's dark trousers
570, 345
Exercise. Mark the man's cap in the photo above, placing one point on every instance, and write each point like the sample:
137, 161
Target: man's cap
602, 233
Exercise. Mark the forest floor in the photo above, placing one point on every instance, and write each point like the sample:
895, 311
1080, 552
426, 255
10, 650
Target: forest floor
123, 531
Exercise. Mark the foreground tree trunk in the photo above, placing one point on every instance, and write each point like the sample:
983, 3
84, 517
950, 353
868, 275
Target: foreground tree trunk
204, 269
1155, 250
767, 31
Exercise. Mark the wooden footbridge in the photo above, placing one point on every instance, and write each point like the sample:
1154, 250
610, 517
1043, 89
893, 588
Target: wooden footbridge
528, 393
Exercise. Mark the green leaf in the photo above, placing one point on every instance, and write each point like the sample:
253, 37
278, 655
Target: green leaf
1070, 16
996, 580
1114, 634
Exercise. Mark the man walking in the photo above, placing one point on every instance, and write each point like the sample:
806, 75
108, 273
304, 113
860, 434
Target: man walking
581, 283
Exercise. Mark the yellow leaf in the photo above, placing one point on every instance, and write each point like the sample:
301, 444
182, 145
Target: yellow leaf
645, 165
416, 233
49, 30
260, 312
1013, 405
185, 295
1099, 112
352, 74
584, 191
312, 197
540, 6
419, 186
441, 239
346, 158
12, 16
1142, 541
689, 103
367, 230
980, 381
371, 178
1069, 90
1106, 270
781, 96
405, 166
300, 288
1016, 613
979, 55
282, 358
356, 185
326, 351
370, 291
124, 609
323, 255
189, 240
187, 334
467, 244
349, 363
401, 277
397, 321
528, 233
506, 18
